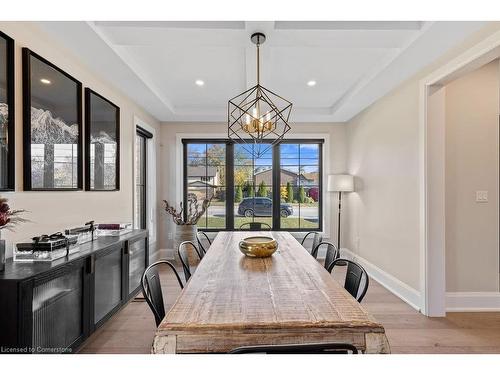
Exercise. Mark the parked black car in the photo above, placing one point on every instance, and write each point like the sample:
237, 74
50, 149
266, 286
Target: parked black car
259, 206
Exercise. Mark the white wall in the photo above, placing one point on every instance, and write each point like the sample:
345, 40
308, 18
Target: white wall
472, 151
171, 164
54, 211
383, 216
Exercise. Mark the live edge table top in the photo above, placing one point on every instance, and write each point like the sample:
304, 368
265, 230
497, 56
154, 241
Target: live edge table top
233, 300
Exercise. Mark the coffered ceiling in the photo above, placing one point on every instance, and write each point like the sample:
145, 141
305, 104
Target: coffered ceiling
352, 63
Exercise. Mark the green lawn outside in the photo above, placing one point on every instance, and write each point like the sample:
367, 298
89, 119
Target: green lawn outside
219, 222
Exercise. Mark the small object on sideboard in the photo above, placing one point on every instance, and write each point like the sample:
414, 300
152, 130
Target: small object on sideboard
113, 229
46, 248
85, 233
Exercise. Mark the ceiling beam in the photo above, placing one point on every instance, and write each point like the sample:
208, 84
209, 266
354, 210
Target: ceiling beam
135, 68
376, 70
215, 25
435, 40
349, 25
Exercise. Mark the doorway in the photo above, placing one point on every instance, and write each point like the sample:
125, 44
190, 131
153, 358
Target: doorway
435, 300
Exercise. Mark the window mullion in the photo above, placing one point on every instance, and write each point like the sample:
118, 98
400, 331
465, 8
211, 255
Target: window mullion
320, 187
276, 187
230, 186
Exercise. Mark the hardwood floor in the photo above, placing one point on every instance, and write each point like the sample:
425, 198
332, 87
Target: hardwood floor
132, 329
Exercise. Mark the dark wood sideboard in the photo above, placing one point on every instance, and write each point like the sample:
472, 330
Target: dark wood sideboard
53, 307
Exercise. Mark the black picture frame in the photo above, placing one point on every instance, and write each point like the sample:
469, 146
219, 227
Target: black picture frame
9, 185
89, 93
27, 55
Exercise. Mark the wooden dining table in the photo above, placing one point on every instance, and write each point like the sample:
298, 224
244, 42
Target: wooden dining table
289, 298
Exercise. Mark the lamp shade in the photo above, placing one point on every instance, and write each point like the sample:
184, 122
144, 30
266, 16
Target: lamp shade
340, 182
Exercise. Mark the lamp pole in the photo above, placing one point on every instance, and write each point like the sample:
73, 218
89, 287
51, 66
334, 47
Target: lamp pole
340, 183
338, 222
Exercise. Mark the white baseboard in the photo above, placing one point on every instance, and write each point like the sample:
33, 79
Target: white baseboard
395, 286
472, 301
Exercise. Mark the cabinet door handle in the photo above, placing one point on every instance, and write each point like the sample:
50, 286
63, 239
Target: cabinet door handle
126, 248
90, 265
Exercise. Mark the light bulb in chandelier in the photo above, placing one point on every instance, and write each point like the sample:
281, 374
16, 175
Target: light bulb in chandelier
258, 124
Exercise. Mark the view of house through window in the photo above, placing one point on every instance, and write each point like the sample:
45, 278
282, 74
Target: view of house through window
206, 172
282, 188
300, 184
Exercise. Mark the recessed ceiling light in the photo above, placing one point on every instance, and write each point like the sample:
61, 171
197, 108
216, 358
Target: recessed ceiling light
311, 83
199, 82
45, 81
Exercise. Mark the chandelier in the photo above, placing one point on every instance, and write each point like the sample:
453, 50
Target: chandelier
258, 118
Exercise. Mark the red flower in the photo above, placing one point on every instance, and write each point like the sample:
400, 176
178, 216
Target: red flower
4, 219
4, 208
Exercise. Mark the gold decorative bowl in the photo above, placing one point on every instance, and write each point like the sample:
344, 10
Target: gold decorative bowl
258, 246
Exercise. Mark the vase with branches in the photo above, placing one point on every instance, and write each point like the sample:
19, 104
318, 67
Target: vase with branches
186, 219
9, 219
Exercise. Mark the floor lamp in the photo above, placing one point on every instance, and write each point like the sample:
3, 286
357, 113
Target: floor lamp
340, 183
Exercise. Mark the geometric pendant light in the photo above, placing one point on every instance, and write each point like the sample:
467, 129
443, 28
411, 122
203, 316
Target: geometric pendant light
258, 118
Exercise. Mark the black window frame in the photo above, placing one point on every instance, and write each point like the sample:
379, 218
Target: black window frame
276, 167
145, 136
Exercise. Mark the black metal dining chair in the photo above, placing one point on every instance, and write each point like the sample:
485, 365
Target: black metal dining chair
317, 239
203, 238
320, 348
182, 251
151, 288
256, 226
331, 252
356, 278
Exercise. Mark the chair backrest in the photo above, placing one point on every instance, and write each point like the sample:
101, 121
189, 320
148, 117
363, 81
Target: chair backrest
202, 237
151, 288
331, 252
317, 239
323, 348
182, 251
255, 226
356, 278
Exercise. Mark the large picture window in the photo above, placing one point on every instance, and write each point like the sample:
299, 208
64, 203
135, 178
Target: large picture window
282, 188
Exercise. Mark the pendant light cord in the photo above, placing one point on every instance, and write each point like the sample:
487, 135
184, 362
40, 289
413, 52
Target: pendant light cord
258, 61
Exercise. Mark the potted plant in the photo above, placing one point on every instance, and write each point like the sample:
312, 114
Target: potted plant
186, 219
8, 220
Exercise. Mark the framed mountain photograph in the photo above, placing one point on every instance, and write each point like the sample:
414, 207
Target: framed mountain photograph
102, 143
52, 109
7, 124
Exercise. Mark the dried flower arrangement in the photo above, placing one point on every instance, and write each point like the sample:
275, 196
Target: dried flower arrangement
9, 218
193, 210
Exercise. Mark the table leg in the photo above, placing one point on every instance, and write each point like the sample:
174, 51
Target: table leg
164, 344
377, 343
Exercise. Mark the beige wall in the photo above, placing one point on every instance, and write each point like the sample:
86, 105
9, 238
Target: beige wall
55, 211
383, 213
472, 150
334, 160
383, 153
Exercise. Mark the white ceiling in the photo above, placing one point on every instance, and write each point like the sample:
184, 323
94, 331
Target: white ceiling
354, 63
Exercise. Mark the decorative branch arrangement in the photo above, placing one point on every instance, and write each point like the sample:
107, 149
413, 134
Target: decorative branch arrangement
193, 210
9, 218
